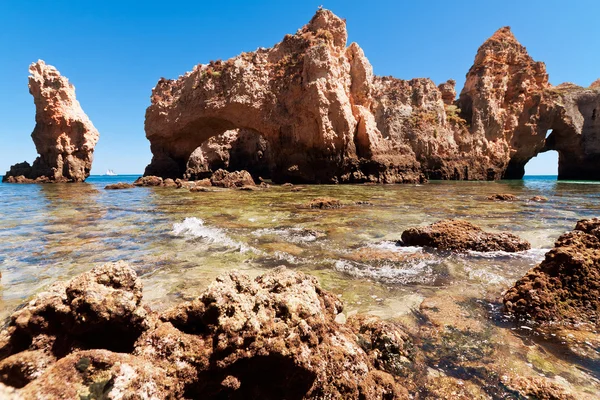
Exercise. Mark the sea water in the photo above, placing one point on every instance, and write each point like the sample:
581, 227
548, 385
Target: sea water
178, 241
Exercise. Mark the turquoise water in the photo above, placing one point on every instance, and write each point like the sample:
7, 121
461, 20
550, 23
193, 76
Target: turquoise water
178, 241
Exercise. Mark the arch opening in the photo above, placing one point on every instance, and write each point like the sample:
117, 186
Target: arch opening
544, 164
232, 150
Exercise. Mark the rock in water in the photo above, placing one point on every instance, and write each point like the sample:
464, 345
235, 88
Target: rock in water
64, 136
460, 235
564, 289
234, 179
326, 118
272, 337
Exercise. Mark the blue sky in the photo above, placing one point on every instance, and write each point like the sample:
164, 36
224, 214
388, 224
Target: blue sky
114, 52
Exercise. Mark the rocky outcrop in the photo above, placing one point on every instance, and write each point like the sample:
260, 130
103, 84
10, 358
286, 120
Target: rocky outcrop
119, 186
565, 288
273, 337
460, 235
236, 179
64, 136
326, 118
309, 97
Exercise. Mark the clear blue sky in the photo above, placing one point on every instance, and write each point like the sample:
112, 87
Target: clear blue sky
114, 52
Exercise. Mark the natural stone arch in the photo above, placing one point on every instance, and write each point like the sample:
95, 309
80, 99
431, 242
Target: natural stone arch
568, 111
171, 155
234, 150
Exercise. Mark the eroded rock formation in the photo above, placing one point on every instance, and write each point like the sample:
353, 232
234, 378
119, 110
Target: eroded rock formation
460, 235
273, 337
270, 338
565, 288
64, 136
233, 150
327, 118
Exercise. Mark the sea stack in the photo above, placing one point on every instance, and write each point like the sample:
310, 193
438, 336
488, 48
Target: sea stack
64, 136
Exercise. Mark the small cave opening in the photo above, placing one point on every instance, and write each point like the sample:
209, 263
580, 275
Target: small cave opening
269, 377
233, 150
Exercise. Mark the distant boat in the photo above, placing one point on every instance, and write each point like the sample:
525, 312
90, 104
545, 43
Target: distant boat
110, 172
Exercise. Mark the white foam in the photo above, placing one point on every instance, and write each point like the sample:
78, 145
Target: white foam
193, 227
293, 235
410, 272
392, 246
535, 255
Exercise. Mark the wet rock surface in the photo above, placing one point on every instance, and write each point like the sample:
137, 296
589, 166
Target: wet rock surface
118, 186
271, 337
236, 179
564, 289
324, 203
64, 136
503, 197
460, 235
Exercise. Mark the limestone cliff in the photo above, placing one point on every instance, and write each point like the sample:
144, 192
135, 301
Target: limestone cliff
326, 118
64, 136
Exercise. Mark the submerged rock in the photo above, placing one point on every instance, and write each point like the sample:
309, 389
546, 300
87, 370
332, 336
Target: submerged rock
503, 197
324, 203
539, 199
564, 289
120, 185
460, 235
64, 136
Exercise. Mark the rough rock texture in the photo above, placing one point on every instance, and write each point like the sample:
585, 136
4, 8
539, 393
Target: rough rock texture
324, 203
507, 100
234, 179
272, 337
503, 197
327, 118
233, 151
118, 186
565, 288
460, 235
148, 181
64, 136
98, 309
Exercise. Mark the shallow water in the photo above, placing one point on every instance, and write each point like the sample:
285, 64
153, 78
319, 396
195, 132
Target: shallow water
180, 241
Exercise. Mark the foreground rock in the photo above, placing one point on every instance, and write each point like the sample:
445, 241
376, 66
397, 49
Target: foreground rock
460, 235
273, 337
64, 136
563, 290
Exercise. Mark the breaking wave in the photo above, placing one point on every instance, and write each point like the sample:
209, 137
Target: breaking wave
194, 228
